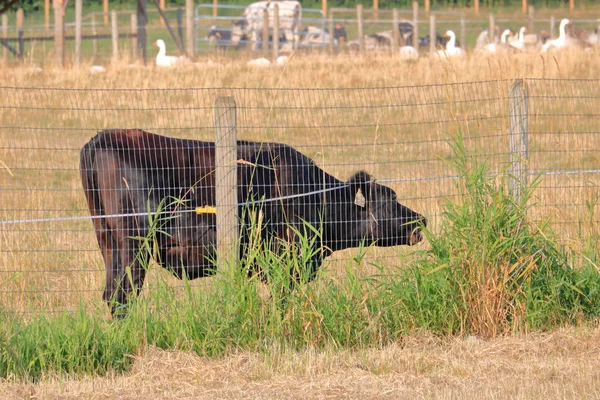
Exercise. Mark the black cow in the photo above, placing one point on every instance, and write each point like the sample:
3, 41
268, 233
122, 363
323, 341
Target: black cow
132, 171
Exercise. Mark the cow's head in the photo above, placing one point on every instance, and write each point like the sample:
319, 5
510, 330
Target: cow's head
382, 220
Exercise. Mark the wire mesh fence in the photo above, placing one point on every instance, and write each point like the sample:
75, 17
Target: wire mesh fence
49, 255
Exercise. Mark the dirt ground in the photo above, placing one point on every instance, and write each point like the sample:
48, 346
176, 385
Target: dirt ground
561, 364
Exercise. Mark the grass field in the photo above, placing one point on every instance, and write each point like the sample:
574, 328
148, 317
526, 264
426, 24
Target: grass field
392, 118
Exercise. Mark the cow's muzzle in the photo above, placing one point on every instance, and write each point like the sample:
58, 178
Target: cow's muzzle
416, 235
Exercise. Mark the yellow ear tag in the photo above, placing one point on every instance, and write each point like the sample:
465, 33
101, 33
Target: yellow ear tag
206, 210
359, 199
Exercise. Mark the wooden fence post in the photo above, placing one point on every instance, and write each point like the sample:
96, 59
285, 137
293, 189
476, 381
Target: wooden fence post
524, 6
4, 35
142, 20
94, 41
275, 32
115, 36
432, 36
20, 33
395, 31
105, 11
491, 29
226, 185
180, 27
189, 27
133, 25
162, 7
215, 8
361, 32
265, 33
476, 6
427, 6
59, 34
331, 33
552, 25
47, 14
415, 20
518, 115
78, 20
571, 5
463, 31
530, 19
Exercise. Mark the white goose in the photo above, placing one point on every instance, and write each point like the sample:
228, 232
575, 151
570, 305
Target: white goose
408, 53
520, 42
559, 42
451, 49
492, 48
259, 62
162, 59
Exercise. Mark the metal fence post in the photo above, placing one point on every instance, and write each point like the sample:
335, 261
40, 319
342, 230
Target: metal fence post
226, 184
518, 146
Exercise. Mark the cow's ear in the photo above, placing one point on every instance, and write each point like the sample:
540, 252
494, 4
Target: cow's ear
359, 184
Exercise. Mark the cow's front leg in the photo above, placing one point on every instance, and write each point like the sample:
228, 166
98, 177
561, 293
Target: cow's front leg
130, 276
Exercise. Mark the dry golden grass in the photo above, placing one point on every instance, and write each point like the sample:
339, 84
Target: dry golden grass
397, 132
562, 364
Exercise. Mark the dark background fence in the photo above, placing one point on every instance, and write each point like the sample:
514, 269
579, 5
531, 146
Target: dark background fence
398, 134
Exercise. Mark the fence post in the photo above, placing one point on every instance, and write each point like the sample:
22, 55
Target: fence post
415, 20
78, 17
59, 34
476, 6
105, 11
215, 10
530, 18
432, 36
361, 32
20, 33
94, 41
189, 27
265, 33
115, 36
226, 184
427, 6
180, 27
463, 31
275, 31
4, 35
142, 20
518, 115
133, 24
47, 14
492, 30
395, 31
552, 24
331, 34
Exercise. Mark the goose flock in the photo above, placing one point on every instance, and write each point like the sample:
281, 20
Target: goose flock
486, 44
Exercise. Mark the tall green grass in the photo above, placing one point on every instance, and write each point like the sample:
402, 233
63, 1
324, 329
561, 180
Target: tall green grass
489, 271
